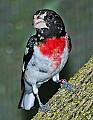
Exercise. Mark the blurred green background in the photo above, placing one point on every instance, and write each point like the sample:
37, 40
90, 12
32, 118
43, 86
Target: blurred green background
16, 28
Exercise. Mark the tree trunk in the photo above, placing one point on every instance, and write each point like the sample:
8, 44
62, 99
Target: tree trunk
65, 105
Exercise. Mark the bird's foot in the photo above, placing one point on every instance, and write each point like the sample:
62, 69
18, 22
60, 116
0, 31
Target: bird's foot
44, 108
63, 82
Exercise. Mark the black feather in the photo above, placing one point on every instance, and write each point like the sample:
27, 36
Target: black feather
27, 57
69, 43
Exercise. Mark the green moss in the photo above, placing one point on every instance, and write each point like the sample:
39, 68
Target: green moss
66, 105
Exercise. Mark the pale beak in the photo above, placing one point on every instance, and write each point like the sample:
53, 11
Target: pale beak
39, 23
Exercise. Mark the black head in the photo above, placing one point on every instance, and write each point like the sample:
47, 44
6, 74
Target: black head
48, 23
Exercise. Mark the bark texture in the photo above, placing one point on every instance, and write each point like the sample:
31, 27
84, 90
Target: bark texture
66, 105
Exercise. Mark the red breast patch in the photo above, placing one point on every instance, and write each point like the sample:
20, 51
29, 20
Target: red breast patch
53, 48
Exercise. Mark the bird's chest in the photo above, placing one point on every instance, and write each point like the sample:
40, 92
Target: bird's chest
48, 58
54, 49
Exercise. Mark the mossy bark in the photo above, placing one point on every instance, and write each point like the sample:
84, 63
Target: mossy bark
66, 105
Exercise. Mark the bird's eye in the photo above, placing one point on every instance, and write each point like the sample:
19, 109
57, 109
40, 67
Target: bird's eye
50, 17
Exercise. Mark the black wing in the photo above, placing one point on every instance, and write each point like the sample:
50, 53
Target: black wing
27, 56
69, 43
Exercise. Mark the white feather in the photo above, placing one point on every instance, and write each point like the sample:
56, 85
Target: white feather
28, 101
26, 51
23, 67
56, 77
41, 62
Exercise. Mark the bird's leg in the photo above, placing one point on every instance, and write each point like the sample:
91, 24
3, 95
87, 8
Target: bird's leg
63, 82
42, 107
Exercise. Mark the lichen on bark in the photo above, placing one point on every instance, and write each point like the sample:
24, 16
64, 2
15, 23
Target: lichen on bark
65, 105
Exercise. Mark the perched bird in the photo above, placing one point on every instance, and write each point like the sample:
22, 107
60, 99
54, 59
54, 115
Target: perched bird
45, 55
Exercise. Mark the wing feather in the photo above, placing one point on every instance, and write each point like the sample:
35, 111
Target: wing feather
69, 43
26, 58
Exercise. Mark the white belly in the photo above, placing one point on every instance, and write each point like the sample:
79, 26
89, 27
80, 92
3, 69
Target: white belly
41, 68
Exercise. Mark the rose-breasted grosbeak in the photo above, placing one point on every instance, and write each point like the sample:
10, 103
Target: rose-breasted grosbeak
45, 55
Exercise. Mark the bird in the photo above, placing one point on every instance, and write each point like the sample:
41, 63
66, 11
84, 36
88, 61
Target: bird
45, 56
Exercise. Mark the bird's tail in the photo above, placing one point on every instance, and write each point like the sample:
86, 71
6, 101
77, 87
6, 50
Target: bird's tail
26, 101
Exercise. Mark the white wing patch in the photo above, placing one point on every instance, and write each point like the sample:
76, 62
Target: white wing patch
23, 67
26, 51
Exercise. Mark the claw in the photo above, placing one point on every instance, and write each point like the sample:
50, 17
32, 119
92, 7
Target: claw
67, 85
44, 108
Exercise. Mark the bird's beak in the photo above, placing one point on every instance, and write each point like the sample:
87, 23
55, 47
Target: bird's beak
39, 22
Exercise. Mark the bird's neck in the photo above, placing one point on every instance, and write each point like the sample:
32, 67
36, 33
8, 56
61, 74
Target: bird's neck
43, 34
